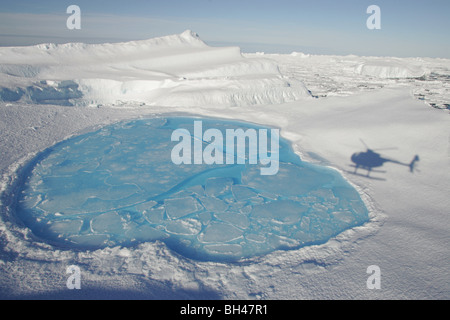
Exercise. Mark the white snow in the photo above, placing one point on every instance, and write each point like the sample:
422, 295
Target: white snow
408, 232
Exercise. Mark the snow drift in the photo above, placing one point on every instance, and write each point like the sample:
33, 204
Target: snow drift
165, 71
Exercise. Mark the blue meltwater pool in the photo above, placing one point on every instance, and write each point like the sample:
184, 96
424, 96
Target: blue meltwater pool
120, 186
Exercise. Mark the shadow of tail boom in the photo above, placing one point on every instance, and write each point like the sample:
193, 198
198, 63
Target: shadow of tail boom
411, 165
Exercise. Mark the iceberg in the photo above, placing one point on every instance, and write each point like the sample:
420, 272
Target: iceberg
173, 70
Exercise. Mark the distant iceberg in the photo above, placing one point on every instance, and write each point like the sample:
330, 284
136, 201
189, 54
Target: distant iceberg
390, 69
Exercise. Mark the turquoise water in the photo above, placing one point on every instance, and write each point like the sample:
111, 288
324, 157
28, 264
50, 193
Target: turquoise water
118, 186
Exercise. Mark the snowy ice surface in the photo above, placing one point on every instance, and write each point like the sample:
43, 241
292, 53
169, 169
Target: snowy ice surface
407, 234
427, 78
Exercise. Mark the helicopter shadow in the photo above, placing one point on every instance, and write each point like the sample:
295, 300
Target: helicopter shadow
370, 162
365, 175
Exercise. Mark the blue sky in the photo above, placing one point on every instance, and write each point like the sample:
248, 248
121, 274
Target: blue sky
408, 28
